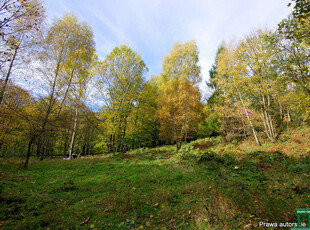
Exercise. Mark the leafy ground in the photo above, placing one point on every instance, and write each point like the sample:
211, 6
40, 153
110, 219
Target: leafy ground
206, 185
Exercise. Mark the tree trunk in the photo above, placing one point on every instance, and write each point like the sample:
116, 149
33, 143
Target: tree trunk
66, 142
7, 76
73, 133
244, 127
29, 151
51, 97
289, 120
84, 149
179, 143
267, 120
87, 149
1, 144
273, 129
281, 112
66, 93
48, 111
247, 116
268, 126
265, 124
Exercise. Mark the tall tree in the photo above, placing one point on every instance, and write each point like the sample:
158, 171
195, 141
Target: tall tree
294, 43
120, 83
297, 25
143, 126
179, 96
20, 26
231, 78
65, 56
82, 75
210, 122
13, 128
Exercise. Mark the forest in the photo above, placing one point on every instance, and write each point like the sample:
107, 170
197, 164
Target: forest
58, 99
260, 85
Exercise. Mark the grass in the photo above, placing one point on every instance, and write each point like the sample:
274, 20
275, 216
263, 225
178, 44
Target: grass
216, 187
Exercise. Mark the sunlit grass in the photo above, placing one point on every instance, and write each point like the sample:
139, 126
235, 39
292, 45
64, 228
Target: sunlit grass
222, 186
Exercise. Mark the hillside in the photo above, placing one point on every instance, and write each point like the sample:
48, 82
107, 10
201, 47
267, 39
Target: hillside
205, 185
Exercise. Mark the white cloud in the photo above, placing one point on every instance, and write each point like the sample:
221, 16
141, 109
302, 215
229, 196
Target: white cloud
116, 30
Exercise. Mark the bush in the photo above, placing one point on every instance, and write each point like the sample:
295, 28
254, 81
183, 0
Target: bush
204, 144
207, 156
234, 138
284, 139
187, 153
226, 160
304, 168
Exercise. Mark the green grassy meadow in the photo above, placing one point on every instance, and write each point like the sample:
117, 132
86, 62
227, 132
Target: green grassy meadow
206, 185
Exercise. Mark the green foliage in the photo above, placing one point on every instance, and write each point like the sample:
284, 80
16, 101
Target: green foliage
187, 153
210, 126
284, 139
212, 74
179, 106
143, 127
276, 100
260, 86
153, 188
225, 160
21, 25
121, 83
297, 26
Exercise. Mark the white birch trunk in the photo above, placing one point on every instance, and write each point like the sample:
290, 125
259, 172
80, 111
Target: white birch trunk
247, 116
73, 133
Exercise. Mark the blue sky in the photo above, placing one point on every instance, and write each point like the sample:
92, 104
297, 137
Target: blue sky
151, 27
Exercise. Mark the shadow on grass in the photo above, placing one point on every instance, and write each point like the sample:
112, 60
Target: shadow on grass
125, 191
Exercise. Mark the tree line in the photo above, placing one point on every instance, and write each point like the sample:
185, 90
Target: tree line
259, 84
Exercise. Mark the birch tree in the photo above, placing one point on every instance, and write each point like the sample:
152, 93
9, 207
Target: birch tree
121, 77
20, 27
66, 53
230, 79
80, 76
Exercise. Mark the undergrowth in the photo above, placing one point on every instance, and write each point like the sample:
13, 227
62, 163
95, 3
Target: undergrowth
205, 185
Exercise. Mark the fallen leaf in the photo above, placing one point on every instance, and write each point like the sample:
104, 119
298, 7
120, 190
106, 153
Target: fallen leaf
147, 224
155, 205
85, 221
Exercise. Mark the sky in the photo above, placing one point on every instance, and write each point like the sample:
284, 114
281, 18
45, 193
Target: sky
151, 27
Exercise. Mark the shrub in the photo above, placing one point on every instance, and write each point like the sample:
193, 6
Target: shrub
187, 153
204, 144
207, 156
284, 139
299, 168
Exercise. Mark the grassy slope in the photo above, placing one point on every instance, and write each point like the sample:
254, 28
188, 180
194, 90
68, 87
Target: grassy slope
224, 186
